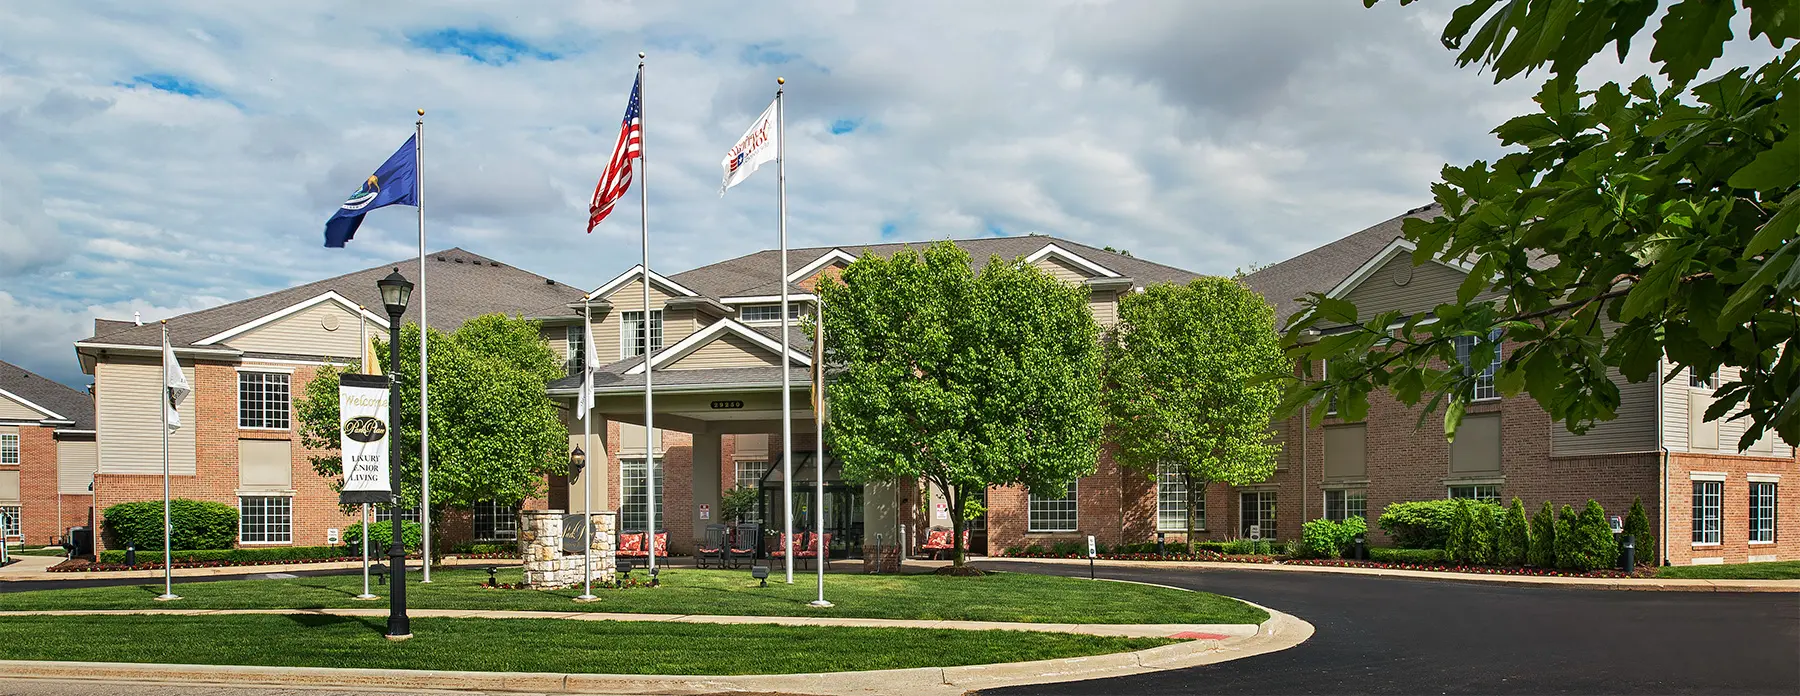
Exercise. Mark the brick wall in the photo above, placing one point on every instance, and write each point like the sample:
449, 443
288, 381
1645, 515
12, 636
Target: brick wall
1734, 541
37, 485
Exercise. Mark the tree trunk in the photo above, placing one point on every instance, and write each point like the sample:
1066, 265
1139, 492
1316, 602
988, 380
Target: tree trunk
1187, 481
956, 524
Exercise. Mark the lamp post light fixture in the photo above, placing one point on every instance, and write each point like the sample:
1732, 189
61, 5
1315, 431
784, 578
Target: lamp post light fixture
577, 461
396, 291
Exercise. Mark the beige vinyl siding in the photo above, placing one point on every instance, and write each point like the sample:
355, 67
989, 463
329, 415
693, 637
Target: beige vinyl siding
1346, 451
606, 336
558, 339
265, 465
128, 415
1398, 285
753, 447
75, 462
1634, 430
16, 410
678, 324
1679, 402
1062, 270
304, 333
631, 440
9, 487
630, 297
727, 350
1104, 304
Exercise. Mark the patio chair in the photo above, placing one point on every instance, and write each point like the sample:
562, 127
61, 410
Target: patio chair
816, 547
743, 543
785, 545
937, 541
662, 544
631, 545
712, 548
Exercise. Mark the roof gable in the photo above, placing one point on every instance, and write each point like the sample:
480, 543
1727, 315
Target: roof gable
289, 311
625, 278
713, 332
15, 407
39, 398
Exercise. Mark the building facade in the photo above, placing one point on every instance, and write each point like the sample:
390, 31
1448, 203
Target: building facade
47, 458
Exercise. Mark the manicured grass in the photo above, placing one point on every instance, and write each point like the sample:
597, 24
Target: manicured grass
1771, 570
38, 551
995, 597
529, 645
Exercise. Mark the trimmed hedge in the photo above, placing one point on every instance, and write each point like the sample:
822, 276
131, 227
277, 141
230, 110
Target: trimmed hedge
1542, 551
198, 524
1590, 545
1422, 524
1323, 538
381, 534
251, 555
1514, 540
1637, 524
1383, 554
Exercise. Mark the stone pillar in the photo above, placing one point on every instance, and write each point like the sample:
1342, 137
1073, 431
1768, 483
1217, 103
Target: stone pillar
706, 477
547, 567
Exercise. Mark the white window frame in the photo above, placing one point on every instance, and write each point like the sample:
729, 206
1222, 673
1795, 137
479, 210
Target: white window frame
287, 404
9, 448
385, 513
1485, 389
1695, 381
13, 523
628, 332
795, 311
634, 513
1172, 498
502, 521
574, 339
1476, 491
749, 473
1045, 515
1762, 512
1268, 501
1708, 507
277, 525
1343, 505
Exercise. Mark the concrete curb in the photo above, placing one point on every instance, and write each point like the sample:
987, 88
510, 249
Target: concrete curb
1639, 584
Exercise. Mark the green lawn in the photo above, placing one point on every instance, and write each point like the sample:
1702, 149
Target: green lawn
38, 551
1771, 570
529, 645
995, 597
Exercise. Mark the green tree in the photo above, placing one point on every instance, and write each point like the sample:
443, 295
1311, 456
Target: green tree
495, 435
1568, 549
1543, 537
1637, 524
1514, 541
1629, 222
966, 380
1462, 523
1179, 369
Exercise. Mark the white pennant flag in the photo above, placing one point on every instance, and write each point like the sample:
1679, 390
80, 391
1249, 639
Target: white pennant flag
762, 143
178, 388
590, 365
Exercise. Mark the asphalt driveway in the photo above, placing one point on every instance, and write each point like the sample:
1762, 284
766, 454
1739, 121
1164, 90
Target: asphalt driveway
1399, 636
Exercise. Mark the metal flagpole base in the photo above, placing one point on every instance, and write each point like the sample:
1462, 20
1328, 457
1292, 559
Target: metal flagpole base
167, 597
821, 604
399, 638
584, 599
365, 597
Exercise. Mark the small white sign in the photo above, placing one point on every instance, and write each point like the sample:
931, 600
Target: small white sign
1091, 548
1618, 524
941, 511
1256, 532
331, 536
705, 511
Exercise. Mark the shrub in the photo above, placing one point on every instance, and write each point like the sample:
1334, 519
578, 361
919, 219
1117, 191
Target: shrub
1542, 552
1322, 538
1383, 554
1263, 547
474, 548
198, 524
1566, 521
1482, 533
250, 555
381, 534
1294, 548
1590, 544
1242, 547
1456, 545
1514, 539
1637, 524
1422, 524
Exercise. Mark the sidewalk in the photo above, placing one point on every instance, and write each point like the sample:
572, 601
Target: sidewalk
1640, 584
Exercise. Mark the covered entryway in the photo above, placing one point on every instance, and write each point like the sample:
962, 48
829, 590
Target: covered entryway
842, 517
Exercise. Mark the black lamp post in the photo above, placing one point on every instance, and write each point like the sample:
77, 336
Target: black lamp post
577, 461
396, 290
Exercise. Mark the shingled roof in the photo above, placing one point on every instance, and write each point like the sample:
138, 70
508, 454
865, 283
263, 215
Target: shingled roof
1321, 269
70, 404
463, 285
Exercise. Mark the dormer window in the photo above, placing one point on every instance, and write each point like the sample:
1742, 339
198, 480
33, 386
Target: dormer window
632, 335
769, 312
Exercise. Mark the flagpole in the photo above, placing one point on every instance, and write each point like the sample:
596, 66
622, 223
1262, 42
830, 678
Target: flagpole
787, 407
587, 441
649, 411
819, 432
168, 531
424, 369
362, 364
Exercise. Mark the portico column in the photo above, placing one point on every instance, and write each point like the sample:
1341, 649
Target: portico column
707, 473
599, 466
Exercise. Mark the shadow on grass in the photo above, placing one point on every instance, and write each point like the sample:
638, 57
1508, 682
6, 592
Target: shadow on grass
372, 623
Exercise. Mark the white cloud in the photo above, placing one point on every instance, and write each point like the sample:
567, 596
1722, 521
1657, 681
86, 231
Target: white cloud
161, 155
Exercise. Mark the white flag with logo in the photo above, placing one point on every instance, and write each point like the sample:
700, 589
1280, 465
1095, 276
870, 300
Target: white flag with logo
176, 386
590, 364
760, 144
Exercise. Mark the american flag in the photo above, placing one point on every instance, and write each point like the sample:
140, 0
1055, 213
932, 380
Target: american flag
617, 179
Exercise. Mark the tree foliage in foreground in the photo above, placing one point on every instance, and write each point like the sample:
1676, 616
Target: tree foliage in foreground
963, 379
495, 435
1628, 223
1179, 369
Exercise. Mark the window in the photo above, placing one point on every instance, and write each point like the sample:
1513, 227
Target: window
384, 513
1484, 383
577, 351
9, 448
268, 520
1258, 508
10, 526
1343, 505
634, 513
1172, 500
495, 521
631, 334
749, 474
1696, 381
770, 312
1707, 496
263, 400
1486, 493
1046, 514
1762, 511
979, 522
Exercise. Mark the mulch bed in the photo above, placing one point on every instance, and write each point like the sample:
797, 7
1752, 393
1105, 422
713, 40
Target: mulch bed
1216, 557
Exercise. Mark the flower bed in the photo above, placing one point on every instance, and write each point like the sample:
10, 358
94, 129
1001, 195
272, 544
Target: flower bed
82, 566
1473, 569
1212, 556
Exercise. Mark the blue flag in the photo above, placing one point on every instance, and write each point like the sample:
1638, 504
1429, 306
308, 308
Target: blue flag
395, 183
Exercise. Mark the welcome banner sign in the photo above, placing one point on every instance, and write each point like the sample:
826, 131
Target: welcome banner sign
363, 439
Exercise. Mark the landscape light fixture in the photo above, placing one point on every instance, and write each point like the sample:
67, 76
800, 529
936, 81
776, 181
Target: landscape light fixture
760, 573
577, 461
396, 291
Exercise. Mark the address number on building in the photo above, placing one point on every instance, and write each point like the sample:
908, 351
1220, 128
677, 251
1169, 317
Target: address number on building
727, 404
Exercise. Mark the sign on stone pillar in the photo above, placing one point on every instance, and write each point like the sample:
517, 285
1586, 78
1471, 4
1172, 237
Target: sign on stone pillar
550, 561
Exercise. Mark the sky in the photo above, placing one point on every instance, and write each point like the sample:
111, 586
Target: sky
161, 158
